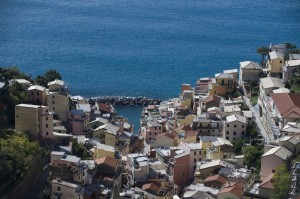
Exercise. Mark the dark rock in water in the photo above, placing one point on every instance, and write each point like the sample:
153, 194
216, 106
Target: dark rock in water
125, 101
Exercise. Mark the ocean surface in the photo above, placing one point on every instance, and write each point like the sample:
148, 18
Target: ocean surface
140, 47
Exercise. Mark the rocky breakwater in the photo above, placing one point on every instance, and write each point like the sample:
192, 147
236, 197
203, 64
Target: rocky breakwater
126, 101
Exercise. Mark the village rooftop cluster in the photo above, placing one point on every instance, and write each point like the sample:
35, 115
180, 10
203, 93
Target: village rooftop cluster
185, 147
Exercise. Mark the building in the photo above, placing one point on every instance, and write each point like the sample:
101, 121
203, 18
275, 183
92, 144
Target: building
215, 181
23, 82
65, 190
272, 159
196, 155
234, 127
34, 119
266, 188
178, 170
103, 150
249, 72
225, 84
108, 172
58, 99
79, 121
208, 125
37, 94
137, 168
210, 167
275, 63
150, 131
108, 133
216, 147
232, 190
290, 67
285, 108
209, 102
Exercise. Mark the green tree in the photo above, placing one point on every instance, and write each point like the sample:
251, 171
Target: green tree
252, 156
238, 145
49, 76
263, 51
282, 183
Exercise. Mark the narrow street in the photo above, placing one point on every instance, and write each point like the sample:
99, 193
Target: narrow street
260, 126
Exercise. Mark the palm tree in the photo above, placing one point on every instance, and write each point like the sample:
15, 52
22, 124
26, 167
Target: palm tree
263, 51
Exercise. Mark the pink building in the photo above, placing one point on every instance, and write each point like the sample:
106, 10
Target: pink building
79, 121
179, 168
37, 94
272, 159
151, 130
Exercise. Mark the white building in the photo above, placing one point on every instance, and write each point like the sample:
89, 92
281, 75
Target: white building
234, 127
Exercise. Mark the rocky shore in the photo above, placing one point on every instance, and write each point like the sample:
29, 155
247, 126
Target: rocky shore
126, 101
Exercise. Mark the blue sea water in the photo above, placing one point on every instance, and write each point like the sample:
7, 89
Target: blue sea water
140, 47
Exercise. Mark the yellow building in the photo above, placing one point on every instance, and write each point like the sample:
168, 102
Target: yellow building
275, 63
59, 104
187, 120
35, 119
58, 99
225, 84
107, 133
102, 150
216, 147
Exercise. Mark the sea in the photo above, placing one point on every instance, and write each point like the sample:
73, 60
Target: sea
140, 47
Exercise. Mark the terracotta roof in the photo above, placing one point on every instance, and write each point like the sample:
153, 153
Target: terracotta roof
212, 98
187, 128
105, 107
235, 190
288, 104
266, 183
217, 177
190, 134
107, 160
171, 134
151, 187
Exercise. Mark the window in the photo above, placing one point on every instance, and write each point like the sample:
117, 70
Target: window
273, 170
47, 133
46, 125
58, 188
234, 133
37, 93
150, 138
199, 152
213, 130
53, 96
280, 61
155, 133
195, 152
227, 125
155, 128
234, 126
46, 117
242, 132
227, 138
243, 126
150, 133
233, 138
194, 167
31, 93
195, 160
199, 159
53, 102
227, 132
53, 109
